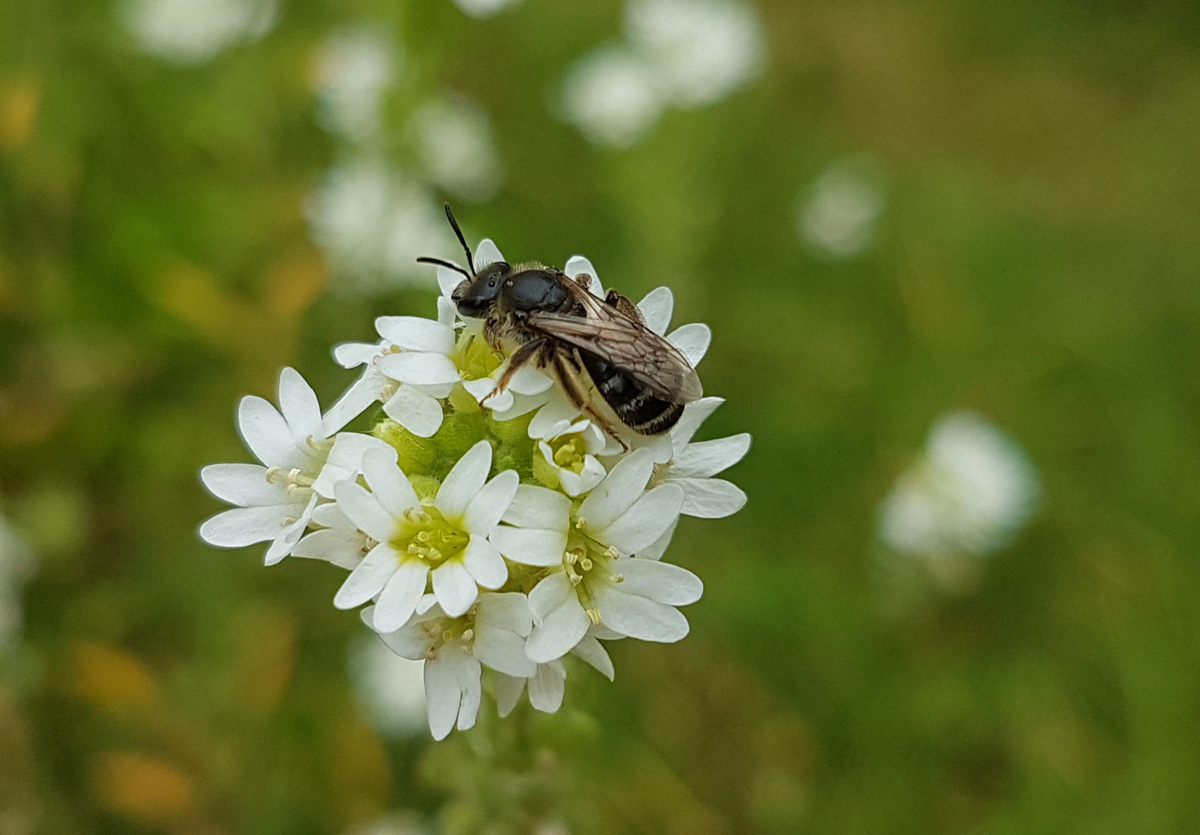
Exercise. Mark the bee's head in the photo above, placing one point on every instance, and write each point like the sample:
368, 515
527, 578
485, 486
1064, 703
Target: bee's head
475, 296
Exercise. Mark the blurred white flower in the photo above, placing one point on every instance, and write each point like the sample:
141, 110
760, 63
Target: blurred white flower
192, 31
355, 66
16, 567
372, 224
453, 139
390, 688
969, 493
610, 95
699, 51
837, 216
396, 823
484, 8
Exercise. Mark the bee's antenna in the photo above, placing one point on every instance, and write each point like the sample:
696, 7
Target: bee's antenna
461, 239
442, 263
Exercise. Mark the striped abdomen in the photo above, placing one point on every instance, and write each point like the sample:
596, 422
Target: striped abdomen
637, 408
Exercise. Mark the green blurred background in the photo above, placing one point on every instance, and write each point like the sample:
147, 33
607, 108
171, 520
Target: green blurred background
1028, 248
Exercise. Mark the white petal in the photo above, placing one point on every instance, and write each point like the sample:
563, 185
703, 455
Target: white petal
414, 333
448, 280
508, 693
454, 587
340, 546
399, 597
578, 265
547, 686
266, 433
659, 581
487, 253
483, 387
694, 414
464, 481
447, 312
576, 484
537, 507
710, 498
415, 410
692, 340
591, 651
617, 493
528, 380
353, 354
245, 485
530, 546
485, 563
354, 401
640, 617
468, 672
369, 578
391, 487
345, 459
443, 695
508, 611
642, 525
503, 651
553, 419
287, 538
558, 632
412, 642
364, 510
299, 405
707, 458
656, 550
490, 503
656, 309
423, 368
550, 593
246, 525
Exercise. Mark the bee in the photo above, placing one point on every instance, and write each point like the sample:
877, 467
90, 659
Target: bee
588, 346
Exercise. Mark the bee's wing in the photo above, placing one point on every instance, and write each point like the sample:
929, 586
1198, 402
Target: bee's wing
628, 345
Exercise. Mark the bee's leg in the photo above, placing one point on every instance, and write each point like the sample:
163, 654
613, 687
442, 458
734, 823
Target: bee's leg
623, 304
567, 372
521, 356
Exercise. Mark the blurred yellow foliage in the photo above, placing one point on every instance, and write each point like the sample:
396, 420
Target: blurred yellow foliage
266, 656
112, 679
18, 112
142, 787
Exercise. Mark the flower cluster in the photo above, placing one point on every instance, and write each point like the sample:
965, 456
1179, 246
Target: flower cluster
498, 530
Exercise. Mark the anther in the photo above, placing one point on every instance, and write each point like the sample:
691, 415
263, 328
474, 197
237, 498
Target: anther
611, 552
593, 616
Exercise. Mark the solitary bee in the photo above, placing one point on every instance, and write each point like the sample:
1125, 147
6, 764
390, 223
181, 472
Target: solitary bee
543, 316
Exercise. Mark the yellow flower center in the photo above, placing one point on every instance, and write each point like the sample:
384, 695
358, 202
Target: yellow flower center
474, 357
427, 536
568, 451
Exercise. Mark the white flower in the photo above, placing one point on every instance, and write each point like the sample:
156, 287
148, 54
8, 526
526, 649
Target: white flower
970, 492
355, 66
16, 567
493, 632
336, 539
453, 138
484, 8
372, 223
300, 463
548, 684
446, 540
389, 687
192, 31
699, 50
611, 97
593, 581
837, 217
569, 444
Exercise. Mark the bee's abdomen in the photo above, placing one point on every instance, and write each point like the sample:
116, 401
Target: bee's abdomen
637, 408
